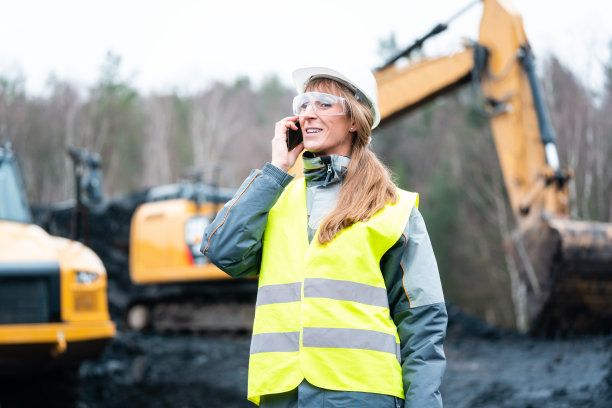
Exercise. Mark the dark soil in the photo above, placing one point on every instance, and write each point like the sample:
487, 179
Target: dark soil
181, 370
486, 368
523, 372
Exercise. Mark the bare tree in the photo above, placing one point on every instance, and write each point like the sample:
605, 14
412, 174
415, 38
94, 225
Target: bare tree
583, 140
156, 167
215, 120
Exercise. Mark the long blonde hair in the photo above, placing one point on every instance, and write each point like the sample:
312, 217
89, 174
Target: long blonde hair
367, 186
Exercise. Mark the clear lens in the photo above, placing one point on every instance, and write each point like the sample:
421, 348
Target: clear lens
319, 103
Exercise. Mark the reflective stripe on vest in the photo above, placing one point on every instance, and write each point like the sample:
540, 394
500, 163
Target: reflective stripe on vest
325, 337
288, 292
322, 311
275, 342
323, 288
349, 338
346, 290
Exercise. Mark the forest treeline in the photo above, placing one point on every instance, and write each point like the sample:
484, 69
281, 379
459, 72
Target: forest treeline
444, 151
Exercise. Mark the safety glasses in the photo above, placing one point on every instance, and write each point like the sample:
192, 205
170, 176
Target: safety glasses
319, 103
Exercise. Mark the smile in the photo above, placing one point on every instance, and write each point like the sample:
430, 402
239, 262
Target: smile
313, 130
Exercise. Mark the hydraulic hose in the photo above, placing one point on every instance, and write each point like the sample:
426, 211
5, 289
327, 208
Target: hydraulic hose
547, 133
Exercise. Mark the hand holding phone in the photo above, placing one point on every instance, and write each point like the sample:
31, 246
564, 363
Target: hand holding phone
287, 143
294, 137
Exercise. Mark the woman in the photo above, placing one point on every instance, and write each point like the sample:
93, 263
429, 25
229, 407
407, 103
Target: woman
350, 311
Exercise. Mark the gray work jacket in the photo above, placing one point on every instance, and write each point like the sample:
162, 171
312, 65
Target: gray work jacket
233, 242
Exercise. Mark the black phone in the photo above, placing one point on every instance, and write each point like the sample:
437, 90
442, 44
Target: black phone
294, 137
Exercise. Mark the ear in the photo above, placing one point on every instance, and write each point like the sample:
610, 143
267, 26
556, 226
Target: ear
353, 127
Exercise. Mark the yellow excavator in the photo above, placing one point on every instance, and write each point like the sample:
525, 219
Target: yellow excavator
175, 287
565, 265
53, 303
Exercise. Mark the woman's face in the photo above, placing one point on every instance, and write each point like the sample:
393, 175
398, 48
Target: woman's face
326, 135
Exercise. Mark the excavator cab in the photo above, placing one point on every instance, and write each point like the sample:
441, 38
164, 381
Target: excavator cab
166, 231
176, 287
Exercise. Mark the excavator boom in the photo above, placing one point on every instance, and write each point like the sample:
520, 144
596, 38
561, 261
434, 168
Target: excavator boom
403, 90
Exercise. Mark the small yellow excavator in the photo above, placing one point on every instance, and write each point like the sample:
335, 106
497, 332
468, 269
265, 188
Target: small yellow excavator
53, 304
175, 287
566, 265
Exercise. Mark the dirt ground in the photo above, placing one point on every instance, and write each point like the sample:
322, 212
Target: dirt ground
201, 371
486, 368
527, 373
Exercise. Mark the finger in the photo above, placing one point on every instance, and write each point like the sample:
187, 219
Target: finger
284, 125
297, 150
289, 118
291, 124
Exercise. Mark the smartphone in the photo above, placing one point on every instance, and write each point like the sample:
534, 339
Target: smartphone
294, 137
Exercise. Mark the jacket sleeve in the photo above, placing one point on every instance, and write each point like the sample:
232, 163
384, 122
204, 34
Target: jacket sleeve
233, 240
418, 310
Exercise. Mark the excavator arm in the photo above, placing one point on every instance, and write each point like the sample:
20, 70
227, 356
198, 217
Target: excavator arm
403, 90
502, 64
565, 265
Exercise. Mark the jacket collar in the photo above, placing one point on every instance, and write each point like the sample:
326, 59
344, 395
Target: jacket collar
324, 170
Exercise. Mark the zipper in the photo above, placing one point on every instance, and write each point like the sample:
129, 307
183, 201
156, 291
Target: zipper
328, 176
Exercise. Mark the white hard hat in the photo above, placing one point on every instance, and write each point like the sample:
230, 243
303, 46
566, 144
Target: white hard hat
359, 80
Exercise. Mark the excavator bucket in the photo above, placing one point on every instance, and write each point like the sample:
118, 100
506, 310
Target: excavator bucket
568, 268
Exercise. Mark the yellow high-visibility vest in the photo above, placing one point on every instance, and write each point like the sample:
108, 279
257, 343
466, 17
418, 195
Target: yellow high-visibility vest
322, 311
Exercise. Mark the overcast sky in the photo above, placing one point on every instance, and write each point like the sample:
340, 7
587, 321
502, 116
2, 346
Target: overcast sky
187, 44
